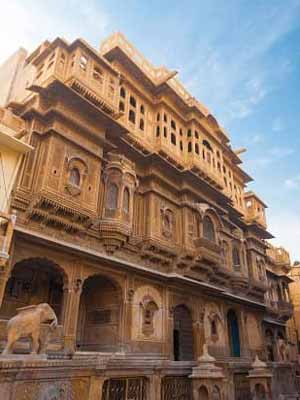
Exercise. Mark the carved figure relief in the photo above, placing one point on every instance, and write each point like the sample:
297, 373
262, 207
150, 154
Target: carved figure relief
147, 314
167, 222
213, 325
27, 323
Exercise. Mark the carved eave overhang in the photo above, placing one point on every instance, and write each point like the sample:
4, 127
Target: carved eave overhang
52, 86
158, 251
259, 231
113, 234
258, 287
54, 211
239, 282
97, 256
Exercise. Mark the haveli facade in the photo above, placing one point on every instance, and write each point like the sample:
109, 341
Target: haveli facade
134, 223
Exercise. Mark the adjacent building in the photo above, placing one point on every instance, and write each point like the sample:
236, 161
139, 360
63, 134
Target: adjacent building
135, 224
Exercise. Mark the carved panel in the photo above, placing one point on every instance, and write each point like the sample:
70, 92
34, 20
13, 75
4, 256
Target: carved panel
125, 389
176, 388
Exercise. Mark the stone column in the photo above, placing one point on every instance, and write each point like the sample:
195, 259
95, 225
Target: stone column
126, 318
96, 386
155, 387
3, 282
72, 295
198, 337
169, 334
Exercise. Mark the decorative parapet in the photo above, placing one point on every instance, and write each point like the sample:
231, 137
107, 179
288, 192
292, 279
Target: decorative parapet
279, 256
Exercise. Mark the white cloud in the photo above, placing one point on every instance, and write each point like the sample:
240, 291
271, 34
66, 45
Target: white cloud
270, 156
293, 183
29, 23
232, 76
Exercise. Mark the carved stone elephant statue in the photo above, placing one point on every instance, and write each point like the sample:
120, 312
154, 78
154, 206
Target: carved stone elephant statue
27, 323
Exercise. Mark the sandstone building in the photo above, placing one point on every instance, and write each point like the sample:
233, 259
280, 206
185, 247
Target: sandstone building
135, 224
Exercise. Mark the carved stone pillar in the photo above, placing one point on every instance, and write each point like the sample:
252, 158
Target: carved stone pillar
169, 335
198, 333
125, 334
244, 339
155, 387
198, 338
3, 282
96, 386
70, 314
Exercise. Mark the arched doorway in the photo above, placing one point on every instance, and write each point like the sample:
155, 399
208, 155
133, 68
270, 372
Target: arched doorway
270, 344
34, 281
260, 393
183, 334
233, 334
99, 315
203, 393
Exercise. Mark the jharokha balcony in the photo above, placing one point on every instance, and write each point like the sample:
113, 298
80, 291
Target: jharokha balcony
82, 69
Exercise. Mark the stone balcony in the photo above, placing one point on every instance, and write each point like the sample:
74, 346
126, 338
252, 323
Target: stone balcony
285, 309
80, 68
205, 168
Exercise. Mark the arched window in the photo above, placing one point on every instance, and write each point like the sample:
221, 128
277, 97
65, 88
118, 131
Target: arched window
173, 138
207, 145
131, 116
126, 199
112, 196
157, 131
233, 334
270, 345
189, 147
74, 177
208, 229
149, 310
142, 109
121, 106
132, 101
142, 124
173, 124
197, 148
122, 92
236, 258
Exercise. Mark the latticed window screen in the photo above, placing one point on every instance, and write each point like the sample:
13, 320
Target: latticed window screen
125, 389
176, 388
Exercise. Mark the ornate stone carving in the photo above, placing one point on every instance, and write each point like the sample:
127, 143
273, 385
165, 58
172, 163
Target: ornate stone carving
27, 323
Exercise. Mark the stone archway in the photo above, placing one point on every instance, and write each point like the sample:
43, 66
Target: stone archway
203, 393
98, 327
34, 281
183, 334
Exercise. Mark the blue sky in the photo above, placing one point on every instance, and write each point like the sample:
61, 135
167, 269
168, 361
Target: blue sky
240, 58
